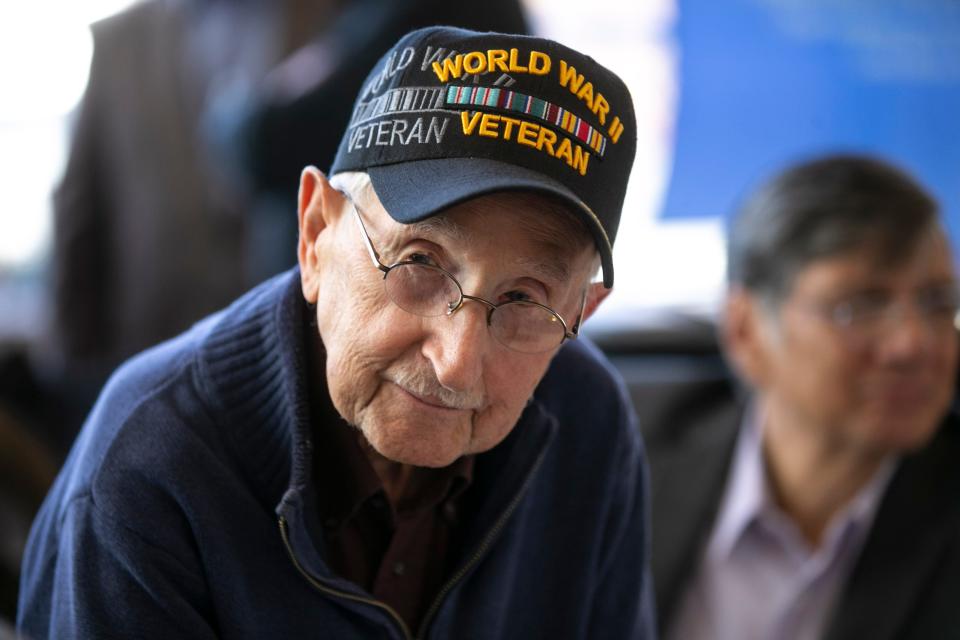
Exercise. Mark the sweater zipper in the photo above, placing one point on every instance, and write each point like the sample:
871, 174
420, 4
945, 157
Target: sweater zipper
450, 584
319, 586
481, 549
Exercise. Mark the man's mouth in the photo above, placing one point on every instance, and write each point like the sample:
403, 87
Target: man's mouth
424, 390
428, 399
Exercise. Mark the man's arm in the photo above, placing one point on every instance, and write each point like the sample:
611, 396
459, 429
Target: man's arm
89, 575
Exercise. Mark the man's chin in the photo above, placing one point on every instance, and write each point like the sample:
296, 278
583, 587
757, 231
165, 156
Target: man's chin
419, 459
413, 449
901, 434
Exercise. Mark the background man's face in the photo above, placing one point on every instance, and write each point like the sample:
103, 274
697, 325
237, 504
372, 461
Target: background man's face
880, 394
425, 391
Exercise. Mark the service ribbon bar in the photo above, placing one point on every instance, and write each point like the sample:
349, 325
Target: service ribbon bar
498, 98
398, 101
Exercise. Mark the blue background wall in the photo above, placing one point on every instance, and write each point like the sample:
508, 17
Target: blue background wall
766, 82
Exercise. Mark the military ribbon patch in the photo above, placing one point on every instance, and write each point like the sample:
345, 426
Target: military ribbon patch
502, 99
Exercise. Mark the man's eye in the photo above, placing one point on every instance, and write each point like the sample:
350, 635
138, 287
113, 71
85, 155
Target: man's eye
860, 307
419, 258
518, 296
941, 299
868, 303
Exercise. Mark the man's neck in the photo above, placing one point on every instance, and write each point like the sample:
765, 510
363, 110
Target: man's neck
403, 483
812, 472
399, 480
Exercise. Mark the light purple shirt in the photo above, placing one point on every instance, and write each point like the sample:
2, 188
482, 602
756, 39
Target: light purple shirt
759, 579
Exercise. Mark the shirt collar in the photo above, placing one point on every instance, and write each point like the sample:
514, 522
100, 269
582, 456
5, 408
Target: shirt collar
748, 498
746, 493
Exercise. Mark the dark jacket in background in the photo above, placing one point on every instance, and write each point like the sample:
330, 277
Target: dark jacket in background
906, 583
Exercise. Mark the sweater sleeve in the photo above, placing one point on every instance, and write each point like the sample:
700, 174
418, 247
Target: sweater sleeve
624, 592
95, 577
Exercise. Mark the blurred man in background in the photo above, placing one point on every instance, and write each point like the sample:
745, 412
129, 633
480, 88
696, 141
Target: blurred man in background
825, 506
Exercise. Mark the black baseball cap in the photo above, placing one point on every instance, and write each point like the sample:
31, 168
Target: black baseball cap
449, 114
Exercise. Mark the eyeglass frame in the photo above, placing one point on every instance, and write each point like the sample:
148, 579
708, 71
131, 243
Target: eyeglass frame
491, 306
838, 313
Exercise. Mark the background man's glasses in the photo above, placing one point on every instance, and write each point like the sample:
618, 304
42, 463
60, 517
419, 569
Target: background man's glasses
870, 315
429, 291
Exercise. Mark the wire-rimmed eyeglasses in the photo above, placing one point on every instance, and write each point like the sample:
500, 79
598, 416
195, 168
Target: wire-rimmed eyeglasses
867, 316
428, 290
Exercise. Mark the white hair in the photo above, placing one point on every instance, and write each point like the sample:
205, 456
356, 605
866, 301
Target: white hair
355, 184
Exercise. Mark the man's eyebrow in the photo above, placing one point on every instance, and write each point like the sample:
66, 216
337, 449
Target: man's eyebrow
555, 270
442, 226
428, 229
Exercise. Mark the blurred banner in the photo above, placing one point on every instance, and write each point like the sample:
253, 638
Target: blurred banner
766, 82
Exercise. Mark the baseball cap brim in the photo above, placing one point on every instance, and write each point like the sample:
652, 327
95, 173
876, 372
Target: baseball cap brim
400, 188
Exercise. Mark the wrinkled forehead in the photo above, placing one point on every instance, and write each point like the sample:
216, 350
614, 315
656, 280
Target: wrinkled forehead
928, 250
541, 219
526, 229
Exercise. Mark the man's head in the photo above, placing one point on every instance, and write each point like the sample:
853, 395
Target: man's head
474, 196
842, 302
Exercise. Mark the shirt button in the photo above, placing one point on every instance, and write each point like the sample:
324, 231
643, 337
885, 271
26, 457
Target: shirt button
399, 569
450, 512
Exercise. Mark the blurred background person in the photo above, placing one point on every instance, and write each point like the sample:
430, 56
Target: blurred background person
825, 506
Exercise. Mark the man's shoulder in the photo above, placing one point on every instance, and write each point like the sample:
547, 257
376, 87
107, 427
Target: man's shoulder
587, 398
580, 375
161, 404
135, 411
935, 464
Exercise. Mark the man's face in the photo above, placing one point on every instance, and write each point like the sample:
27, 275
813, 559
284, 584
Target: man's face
880, 387
425, 391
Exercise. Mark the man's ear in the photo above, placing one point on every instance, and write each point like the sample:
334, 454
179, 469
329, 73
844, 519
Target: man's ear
745, 335
318, 205
596, 293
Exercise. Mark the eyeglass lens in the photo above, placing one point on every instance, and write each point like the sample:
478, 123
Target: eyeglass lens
936, 305
425, 290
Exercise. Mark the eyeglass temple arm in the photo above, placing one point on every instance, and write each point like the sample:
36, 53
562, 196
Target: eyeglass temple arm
575, 331
374, 256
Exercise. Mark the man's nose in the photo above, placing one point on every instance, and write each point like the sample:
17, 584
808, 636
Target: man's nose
908, 333
457, 345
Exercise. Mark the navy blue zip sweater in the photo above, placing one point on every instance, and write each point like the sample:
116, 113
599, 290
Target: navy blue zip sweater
185, 507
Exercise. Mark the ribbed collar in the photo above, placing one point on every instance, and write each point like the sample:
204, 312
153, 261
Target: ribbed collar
253, 363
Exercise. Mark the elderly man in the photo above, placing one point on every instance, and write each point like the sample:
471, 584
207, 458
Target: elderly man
401, 438
827, 506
